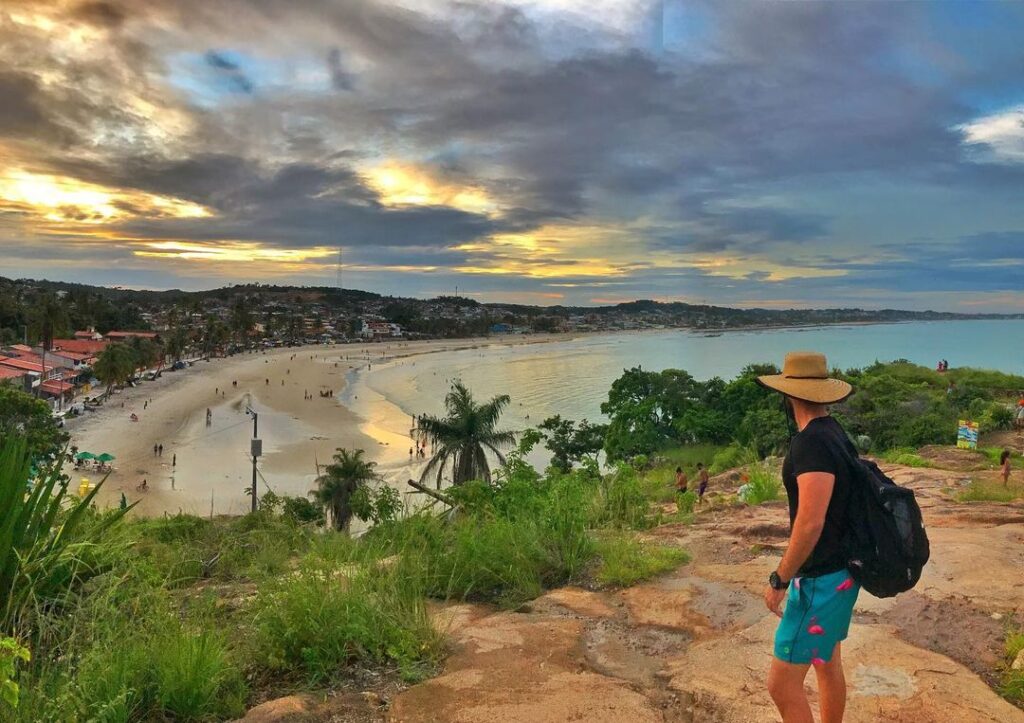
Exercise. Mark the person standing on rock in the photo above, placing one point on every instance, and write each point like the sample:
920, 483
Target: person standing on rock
812, 577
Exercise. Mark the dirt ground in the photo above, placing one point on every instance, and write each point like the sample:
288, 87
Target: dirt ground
694, 645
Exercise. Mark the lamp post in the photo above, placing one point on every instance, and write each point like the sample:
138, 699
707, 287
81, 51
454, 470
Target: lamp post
256, 449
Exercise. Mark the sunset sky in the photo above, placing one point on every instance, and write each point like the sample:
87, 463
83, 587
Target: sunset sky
537, 151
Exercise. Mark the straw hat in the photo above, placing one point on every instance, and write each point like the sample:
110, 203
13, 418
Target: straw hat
805, 376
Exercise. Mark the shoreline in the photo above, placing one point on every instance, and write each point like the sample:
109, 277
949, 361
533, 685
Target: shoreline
204, 469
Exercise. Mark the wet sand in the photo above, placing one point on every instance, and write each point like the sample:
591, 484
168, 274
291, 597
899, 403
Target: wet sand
206, 469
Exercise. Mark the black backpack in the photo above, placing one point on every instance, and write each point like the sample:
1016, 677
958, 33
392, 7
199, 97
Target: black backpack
886, 544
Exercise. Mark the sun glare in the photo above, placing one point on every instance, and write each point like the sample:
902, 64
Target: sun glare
400, 184
64, 199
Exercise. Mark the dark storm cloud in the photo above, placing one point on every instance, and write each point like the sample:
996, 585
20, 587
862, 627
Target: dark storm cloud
719, 141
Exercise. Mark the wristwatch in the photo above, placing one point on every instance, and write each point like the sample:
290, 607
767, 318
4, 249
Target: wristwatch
776, 582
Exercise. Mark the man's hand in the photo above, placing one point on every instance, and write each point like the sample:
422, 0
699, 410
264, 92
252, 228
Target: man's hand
773, 599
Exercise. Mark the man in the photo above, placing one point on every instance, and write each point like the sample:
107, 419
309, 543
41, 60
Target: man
702, 473
812, 577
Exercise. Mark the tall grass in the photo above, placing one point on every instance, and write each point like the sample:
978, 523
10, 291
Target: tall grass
1013, 680
193, 675
905, 456
764, 485
626, 560
323, 618
47, 540
979, 491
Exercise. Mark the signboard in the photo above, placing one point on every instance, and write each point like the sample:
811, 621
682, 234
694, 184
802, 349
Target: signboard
967, 435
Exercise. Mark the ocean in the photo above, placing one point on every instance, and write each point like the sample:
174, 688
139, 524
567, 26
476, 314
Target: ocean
572, 377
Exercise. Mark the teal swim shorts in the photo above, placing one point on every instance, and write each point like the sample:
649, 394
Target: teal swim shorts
816, 617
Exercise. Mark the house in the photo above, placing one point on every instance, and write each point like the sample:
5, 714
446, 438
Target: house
89, 334
501, 328
126, 335
379, 330
16, 377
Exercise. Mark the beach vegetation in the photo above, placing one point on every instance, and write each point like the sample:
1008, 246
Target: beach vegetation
1012, 686
463, 438
904, 456
624, 559
11, 653
340, 482
48, 540
115, 365
570, 442
22, 415
763, 484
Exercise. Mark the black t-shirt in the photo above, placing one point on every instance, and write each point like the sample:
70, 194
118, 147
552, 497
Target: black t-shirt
818, 448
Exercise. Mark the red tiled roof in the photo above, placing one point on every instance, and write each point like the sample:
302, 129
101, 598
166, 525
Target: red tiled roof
54, 386
8, 373
22, 347
81, 346
25, 365
76, 355
130, 334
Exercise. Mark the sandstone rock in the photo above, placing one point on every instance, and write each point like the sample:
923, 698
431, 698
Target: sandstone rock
1018, 662
582, 602
289, 708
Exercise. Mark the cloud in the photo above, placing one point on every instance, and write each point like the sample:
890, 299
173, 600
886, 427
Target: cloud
740, 152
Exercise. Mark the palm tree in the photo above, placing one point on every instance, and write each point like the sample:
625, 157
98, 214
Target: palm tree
463, 438
115, 365
340, 481
50, 317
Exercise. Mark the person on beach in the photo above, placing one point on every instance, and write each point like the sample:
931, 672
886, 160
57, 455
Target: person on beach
154, 450
174, 461
681, 482
1004, 462
812, 577
702, 474
160, 450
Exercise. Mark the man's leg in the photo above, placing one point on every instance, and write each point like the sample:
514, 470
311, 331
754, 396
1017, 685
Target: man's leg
832, 687
786, 687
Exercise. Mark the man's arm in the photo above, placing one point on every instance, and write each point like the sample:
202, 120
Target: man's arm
815, 493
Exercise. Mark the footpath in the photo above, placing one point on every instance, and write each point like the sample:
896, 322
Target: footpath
694, 645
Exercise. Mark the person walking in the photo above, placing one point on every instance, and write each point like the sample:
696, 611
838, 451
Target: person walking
812, 577
681, 481
703, 477
160, 450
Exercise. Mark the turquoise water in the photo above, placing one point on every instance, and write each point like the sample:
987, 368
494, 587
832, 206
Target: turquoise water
572, 377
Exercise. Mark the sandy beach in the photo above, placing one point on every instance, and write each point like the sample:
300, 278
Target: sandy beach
205, 468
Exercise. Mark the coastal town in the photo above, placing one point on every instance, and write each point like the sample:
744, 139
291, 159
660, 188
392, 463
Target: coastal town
53, 335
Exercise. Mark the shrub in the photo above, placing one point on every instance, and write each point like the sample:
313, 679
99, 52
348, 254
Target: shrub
622, 502
764, 485
731, 457
193, 677
905, 457
47, 541
686, 501
10, 653
626, 560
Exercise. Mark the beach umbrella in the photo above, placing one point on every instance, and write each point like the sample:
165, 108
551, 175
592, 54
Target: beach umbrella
106, 457
85, 455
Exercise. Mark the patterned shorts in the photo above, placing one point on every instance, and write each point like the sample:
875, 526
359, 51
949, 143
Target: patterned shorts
817, 616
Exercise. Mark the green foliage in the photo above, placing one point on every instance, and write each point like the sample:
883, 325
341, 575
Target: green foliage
193, 677
464, 436
10, 653
115, 365
568, 443
978, 491
731, 457
23, 415
298, 510
626, 560
1013, 680
47, 540
327, 616
905, 457
340, 482
651, 410
763, 485
377, 506
686, 501
623, 501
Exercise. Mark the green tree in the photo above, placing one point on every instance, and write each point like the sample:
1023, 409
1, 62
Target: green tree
115, 365
464, 436
569, 443
22, 415
341, 480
